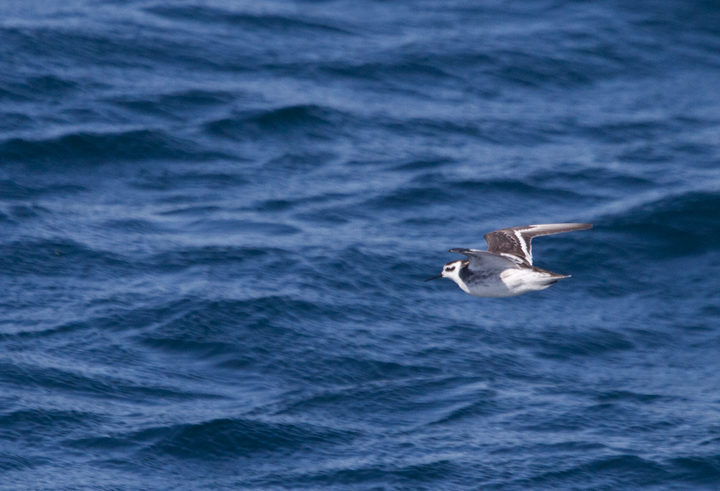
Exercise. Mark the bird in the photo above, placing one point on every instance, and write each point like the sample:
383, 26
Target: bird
506, 268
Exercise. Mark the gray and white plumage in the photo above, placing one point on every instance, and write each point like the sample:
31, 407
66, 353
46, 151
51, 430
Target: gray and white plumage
506, 268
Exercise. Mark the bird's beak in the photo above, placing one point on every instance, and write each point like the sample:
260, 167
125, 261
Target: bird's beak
435, 277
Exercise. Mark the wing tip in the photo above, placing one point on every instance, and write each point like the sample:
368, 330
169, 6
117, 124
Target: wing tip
464, 250
570, 226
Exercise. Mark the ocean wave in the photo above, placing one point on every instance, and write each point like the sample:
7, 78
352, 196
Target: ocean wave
669, 226
310, 121
595, 343
435, 189
301, 162
247, 227
163, 179
180, 259
37, 88
15, 121
267, 21
697, 469
133, 226
423, 164
484, 404
628, 470
526, 133
60, 258
220, 438
116, 48
74, 381
10, 190
518, 188
13, 462
628, 131
395, 72
593, 181
177, 103
241, 325
44, 422
413, 197
232, 437
624, 469
84, 148
84, 46
376, 474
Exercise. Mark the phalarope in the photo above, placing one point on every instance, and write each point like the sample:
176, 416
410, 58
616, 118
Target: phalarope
506, 268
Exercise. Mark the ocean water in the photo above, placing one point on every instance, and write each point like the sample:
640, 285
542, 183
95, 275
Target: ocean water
216, 216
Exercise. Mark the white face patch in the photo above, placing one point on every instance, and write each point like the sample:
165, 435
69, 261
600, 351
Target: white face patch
452, 270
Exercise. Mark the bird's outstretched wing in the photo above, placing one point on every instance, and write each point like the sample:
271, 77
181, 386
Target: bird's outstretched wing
484, 260
516, 241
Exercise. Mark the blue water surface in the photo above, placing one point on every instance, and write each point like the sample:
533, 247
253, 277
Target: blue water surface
216, 216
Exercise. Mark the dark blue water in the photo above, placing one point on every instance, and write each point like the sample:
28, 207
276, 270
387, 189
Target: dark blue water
216, 216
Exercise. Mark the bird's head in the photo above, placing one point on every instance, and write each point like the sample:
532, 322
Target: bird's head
450, 270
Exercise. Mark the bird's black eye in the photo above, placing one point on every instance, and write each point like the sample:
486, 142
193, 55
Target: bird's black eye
450, 269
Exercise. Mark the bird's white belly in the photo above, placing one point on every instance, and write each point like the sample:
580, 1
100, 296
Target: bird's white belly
509, 283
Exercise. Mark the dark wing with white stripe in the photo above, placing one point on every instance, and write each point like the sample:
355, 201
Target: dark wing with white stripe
516, 241
486, 261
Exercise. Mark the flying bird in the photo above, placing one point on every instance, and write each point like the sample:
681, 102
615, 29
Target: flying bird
506, 268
